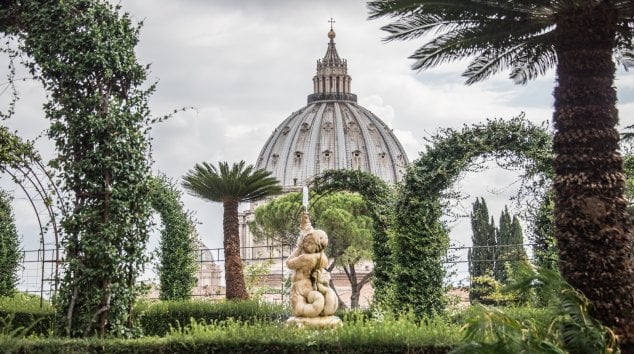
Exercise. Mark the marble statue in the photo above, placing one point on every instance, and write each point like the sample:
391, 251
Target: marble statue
313, 302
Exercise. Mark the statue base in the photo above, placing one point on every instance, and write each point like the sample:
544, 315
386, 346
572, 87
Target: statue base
315, 322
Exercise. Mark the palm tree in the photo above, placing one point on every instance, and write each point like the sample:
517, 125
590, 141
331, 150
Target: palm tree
580, 38
231, 186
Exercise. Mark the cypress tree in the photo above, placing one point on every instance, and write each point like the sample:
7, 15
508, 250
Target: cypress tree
510, 246
482, 255
503, 241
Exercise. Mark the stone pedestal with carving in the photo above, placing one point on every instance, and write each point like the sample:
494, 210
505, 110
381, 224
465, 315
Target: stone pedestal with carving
315, 322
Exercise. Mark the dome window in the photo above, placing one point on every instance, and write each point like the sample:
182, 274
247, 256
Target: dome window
356, 153
327, 153
298, 156
305, 127
382, 155
285, 130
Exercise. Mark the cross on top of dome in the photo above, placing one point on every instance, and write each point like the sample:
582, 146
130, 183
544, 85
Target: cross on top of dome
331, 33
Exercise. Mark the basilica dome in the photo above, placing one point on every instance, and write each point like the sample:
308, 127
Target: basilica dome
331, 132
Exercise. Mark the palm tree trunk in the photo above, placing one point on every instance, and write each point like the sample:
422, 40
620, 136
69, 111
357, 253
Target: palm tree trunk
592, 226
236, 289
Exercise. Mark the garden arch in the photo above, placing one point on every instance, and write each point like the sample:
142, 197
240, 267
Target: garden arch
177, 262
19, 160
420, 237
83, 53
379, 198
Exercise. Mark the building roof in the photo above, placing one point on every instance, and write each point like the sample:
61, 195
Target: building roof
332, 132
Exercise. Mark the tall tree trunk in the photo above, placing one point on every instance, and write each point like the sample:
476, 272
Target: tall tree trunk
236, 289
355, 289
592, 227
342, 305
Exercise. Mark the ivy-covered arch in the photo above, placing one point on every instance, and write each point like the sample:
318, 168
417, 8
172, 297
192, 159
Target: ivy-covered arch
177, 258
20, 160
83, 53
23, 164
379, 198
421, 238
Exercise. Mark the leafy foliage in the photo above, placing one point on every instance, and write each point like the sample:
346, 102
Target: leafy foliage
569, 328
241, 182
14, 152
342, 215
278, 219
483, 253
379, 200
234, 336
254, 274
496, 251
83, 53
10, 255
509, 240
177, 255
157, 318
420, 237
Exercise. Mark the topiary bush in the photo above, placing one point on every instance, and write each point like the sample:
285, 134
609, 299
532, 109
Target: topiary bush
157, 318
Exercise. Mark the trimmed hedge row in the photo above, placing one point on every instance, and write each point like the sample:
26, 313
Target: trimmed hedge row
162, 345
28, 323
389, 336
244, 327
157, 318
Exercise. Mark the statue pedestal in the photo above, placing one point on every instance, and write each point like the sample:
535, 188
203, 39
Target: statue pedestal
315, 322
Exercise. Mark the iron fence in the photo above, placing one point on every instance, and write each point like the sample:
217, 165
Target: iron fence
264, 268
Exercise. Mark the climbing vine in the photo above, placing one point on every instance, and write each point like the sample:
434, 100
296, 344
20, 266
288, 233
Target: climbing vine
14, 152
420, 237
10, 254
379, 199
83, 53
177, 249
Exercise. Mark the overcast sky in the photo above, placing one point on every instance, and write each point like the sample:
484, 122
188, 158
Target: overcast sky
244, 66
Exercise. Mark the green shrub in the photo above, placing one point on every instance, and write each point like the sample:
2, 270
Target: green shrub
25, 313
157, 318
261, 336
25, 302
565, 328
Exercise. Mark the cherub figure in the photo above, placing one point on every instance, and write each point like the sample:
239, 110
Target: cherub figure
309, 297
322, 282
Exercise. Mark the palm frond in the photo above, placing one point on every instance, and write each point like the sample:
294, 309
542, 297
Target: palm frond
446, 48
239, 181
418, 26
535, 58
451, 8
490, 62
629, 135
